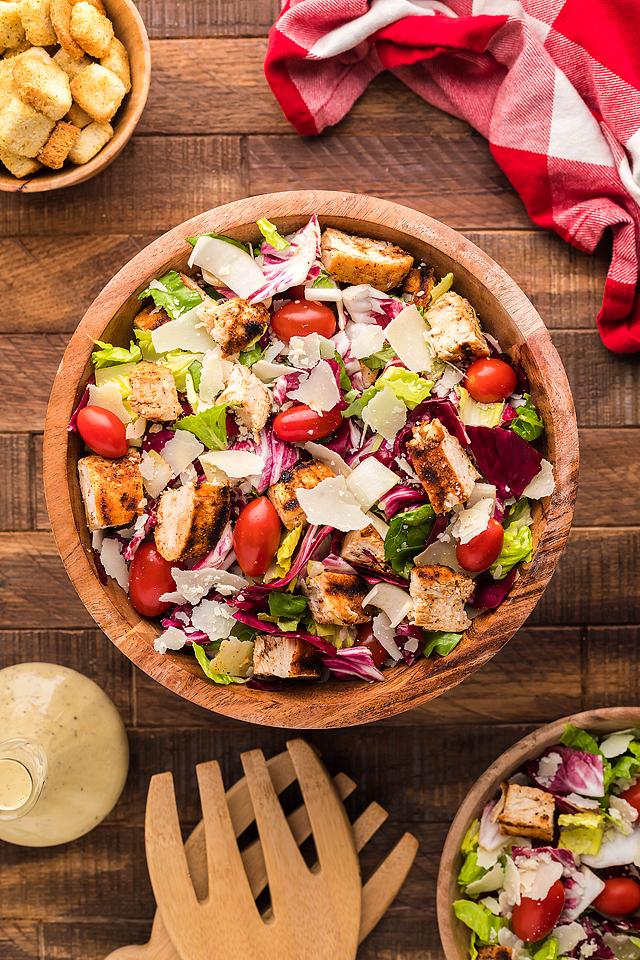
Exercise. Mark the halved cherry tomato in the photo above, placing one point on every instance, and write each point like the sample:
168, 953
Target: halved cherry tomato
365, 638
620, 897
534, 919
302, 317
150, 577
103, 432
490, 380
301, 423
256, 536
632, 796
480, 552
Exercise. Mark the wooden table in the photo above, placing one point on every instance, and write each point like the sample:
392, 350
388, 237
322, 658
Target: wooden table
212, 132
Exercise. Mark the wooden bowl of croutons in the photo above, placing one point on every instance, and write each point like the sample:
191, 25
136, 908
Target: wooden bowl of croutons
74, 80
507, 315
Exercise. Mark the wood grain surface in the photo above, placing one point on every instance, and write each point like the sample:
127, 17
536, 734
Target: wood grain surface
197, 146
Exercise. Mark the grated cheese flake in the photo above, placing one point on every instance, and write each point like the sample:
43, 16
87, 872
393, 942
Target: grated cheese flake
332, 503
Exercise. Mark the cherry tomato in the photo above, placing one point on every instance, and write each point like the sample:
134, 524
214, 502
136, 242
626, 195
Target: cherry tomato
256, 536
103, 432
534, 919
302, 423
296, 293
365, 638
480, 552
632, 795
150, 577
621, 896
490, 380
302, 317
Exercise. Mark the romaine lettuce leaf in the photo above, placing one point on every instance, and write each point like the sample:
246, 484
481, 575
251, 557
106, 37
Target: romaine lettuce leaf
285, 553
407, 536
547, 950
518, 540
380, 359
222, 678
409, 387
443, 286
209, 426
474, 414
528, 422
287, 606
219, 236
581, 832
170, 293
180, 363
471, 838
252, 355
323, 281
270, 232
470, 871
109, 356
441, 642
480, 920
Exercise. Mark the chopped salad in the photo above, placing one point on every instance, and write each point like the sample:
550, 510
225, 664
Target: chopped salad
310, 460
552, 868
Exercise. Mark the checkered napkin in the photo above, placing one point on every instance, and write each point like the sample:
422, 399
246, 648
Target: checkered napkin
552, 84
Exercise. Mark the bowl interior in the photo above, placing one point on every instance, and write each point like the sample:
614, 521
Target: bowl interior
505, 313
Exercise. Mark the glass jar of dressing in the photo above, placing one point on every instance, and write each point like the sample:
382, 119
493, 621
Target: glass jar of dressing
64, 754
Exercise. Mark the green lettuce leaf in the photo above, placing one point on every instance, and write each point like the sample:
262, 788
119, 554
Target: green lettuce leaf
145, 342
474, 414
471, 838
409, 387
222, 678
109, 356
581, 832
195, 372
170, 293
518, 540
287, 606
625, 768
443, 286
547, 950
219, 236
284, 556
345, 382
579, 740
380, 359
407, 535
528, 424
180, 363
483, 923
209, 426
439, 641
356, 406
119, 373
470, 870
252, 355
270, 232
323, 280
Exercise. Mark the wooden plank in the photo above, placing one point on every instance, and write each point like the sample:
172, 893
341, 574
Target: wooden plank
20, 940
16, 508
609, 478
92, 940
156, 183
208, 18
40, 515
610, 677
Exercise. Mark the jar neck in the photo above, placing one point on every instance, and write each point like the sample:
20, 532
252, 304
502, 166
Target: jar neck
23, 772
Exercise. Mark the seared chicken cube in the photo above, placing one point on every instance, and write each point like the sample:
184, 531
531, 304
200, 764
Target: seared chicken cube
153, 392
283, 493
445, 471
336, 598
497, 952
363, 260
191, 520
439, 596
455, 332
365, 547
419, 282
369, 376
150, 318
285, 657
525, 812
111, 489
248, 396
235, 324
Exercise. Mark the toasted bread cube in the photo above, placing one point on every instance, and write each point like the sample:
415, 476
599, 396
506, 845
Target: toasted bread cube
22, 47
153, 392
191, 520
19, 166
111, 489
7, 89
357, 260
235, 324
98, 91
116, 59
42, 84
365, 547
283, 493
497, 952
78, 117
454, 329
336, 598
248, 397
56, 149
525, 812
72, 66
22, 129
11, 28
445, 471
150, 318
439, 596
91, 140
60, 13
285, 657
36, 21
98, 4
91, 29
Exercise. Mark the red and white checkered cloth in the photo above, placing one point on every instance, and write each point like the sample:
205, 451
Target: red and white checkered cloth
552, 84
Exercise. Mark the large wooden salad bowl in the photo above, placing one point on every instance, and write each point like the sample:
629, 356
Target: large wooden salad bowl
505, 312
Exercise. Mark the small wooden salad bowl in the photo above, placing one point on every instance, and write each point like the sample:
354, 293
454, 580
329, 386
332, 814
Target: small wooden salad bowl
505, 312
453, 934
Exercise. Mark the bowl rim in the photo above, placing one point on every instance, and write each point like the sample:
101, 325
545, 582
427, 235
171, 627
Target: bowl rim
136, 98
357, 702
527, 747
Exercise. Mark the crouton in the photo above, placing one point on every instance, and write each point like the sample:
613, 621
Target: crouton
150, 318
365, 547
98, 4
19, 166
235, 324
497, 952
71, 66
283, 493
445, 471
17, 51
7, 89
116, 59
276, 656
439, 596
11, 28
191, 520
60, 13
91, 140
336, 598
153, 392
454, 329
91, 29
78, 117
362, 260
525, 812
22, 129
56, 149
248, 397
98, 91
111, 489
37, 22
42, 84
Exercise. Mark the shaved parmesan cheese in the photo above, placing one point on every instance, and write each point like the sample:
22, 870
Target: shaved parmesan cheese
480, 492
537, 876
384, 634
492, 880
370, 480
267, 371
171, 639
234, 463
135, 431
385, 414
407, 335
328, 456
449, 379
213, 618
109, 396
378, 524
319, 391
155, 473
273, 350
616, 744
113, 562
193, 585
230, 264
542, 484
568, 936
185, 333
395, 602
469, 523
330, 294
332, 503
441, 552
366, 338
213, 377
181, 450
235, 657
306, 352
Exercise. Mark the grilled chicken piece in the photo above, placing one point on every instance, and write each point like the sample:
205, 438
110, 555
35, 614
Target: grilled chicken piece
365, 547
111, 489
150, 318
445, 471
285, 657
191, 520
455, 332
363, 260
336, 598
525, 812
497, 952
419, 282
235, 324
153, 392
439, 596
283, 493
248, 396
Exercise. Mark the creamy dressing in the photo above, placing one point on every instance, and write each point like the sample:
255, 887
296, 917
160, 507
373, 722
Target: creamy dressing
61, 735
